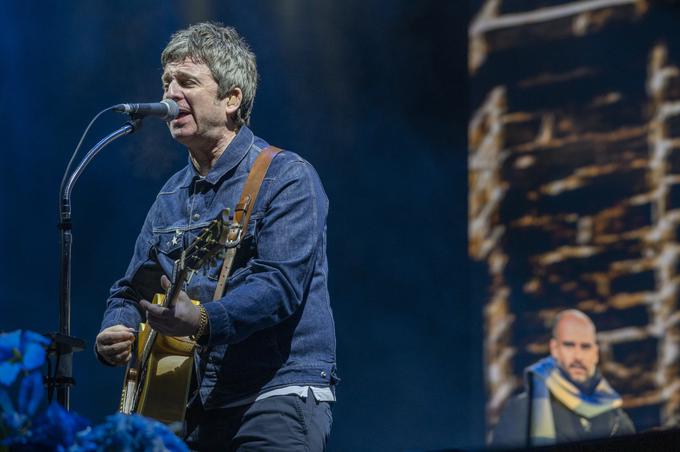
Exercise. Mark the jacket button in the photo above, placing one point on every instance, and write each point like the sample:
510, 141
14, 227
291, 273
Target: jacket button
196, 217
323, 374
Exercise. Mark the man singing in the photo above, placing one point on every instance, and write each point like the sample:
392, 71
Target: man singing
269, 372
566, 398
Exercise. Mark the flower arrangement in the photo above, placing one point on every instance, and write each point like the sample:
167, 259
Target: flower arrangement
23, 428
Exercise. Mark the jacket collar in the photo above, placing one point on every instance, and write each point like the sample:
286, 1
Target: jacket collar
230, 158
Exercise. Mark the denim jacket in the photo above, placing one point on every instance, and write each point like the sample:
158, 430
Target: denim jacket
274, 326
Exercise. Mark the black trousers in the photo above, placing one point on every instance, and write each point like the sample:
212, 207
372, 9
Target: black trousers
280, 423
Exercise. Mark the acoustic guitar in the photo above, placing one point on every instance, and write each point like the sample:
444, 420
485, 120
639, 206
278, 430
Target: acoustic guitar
158, 375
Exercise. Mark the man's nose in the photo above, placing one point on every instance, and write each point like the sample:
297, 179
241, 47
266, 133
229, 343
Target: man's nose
578, 354
173, 91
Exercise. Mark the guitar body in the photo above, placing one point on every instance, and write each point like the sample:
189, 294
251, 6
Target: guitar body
163, 391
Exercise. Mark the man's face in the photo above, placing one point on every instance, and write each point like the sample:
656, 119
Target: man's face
574, 347
202, 116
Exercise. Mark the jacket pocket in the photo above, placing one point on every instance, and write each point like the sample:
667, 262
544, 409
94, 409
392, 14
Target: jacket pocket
169, 244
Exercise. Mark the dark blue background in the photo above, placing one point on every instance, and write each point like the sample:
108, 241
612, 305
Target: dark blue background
371, 92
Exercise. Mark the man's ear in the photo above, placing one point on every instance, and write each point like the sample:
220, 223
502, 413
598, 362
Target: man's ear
553, 347
234, 99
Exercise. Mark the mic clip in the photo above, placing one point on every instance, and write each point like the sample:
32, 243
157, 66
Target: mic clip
135, 121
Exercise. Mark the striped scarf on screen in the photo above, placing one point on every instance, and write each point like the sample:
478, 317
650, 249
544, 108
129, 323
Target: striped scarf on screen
546, 378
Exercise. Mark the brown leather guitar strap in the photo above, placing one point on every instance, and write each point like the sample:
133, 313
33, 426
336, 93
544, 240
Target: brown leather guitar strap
242, 212
237, 230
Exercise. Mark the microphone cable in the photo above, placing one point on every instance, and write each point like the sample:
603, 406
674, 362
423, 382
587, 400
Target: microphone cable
75, 153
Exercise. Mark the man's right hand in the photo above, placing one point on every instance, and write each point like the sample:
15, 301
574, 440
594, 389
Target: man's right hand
114, 344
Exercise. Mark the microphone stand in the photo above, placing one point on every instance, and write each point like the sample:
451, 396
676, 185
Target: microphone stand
63, 344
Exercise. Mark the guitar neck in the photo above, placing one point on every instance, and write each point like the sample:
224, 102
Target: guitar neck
175, 287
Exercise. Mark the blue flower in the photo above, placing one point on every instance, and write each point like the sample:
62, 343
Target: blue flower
13, 422
128, 433
31, 393
16, 422
20, 351
55, 429
23, 352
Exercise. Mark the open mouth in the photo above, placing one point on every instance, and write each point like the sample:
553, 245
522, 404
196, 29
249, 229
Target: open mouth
180, 115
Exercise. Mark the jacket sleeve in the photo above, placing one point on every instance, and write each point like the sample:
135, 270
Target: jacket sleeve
626, 426
141, 281
288, 239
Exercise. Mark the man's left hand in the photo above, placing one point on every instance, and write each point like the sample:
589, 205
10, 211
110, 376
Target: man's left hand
181, 318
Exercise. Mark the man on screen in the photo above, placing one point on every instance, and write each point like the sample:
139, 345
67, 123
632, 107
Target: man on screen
566, 397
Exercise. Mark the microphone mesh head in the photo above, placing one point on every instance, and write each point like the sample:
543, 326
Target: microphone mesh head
173, 109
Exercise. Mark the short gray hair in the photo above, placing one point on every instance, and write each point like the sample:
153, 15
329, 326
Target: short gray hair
226, 54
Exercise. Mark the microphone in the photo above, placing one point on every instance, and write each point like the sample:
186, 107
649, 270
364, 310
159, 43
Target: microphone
166, 109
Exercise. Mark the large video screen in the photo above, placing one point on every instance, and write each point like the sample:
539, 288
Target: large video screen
574, 215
